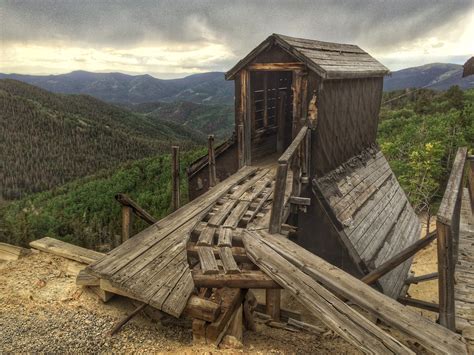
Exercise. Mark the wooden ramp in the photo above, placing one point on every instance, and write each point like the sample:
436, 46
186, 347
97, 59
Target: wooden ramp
302, 274
373, 214
153, 265
464, 271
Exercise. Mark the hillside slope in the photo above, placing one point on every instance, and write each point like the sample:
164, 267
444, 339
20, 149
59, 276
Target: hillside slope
438, 76
208, 119
208, 88
48, 139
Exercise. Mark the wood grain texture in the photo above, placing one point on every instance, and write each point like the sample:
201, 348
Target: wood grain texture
432, 336
66, 250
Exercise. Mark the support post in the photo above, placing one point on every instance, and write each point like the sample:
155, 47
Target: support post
175, 198
297, 89
212, 161
445, 276
265, 99
126, 222
278, 199
273, 303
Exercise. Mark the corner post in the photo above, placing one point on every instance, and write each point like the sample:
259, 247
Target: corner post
212, 161
126, 222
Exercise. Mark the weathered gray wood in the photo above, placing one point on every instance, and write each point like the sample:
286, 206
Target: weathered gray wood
278, 198
421, 278
225, 237
244, 279
212, 161
432, 336
207, 260
143, 241
66, 250
300, 201
273, 303
228, 261
10, 252
139, 211
83, 278
256, 190
261, 202
408, 301
397, 259
447, 312
277, 66
178, 297
338, 316
207, 236
237, 252
222, 212
292, 148
236, 215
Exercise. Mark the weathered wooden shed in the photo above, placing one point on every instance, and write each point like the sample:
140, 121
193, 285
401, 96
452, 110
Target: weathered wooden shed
359, 216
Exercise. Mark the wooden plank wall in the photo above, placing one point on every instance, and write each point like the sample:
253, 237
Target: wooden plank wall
373, 212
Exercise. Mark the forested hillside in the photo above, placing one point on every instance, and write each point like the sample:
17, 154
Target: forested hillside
48, 139
207, 119
419, 134
84, 212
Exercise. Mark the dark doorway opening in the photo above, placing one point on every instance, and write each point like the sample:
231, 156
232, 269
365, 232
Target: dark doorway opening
271, 112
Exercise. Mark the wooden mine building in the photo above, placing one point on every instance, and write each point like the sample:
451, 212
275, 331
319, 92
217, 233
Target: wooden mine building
335, 89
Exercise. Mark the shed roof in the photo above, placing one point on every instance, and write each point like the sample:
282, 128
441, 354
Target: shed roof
328, 60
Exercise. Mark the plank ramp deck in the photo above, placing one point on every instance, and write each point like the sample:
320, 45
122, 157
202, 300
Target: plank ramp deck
373, 214
153, 265
464, 271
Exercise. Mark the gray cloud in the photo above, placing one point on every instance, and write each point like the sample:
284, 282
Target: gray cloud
373, 24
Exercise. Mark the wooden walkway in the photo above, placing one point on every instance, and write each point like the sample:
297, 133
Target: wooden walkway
464, 271
155, 265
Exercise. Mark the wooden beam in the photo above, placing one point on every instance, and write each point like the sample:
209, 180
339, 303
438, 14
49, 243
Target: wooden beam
276, 216
293, 147
397, 259
66, 250
421, 278
430, 335
413, 302
245, 279
126, 223
334, 313
265, 100
273, 303
83, 278
300, 201
10, 252
124, 200
211, 154
277, 66
196, 306
175, 179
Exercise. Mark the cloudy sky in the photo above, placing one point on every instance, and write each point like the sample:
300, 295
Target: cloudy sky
175, 38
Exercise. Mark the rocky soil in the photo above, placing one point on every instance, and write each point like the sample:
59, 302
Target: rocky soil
42, 310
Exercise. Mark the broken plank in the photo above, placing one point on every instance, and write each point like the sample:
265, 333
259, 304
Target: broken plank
222, 213
66, 250
236, 215
432, 336
207, 236
228, 261
207, 260
338, 316
225, 237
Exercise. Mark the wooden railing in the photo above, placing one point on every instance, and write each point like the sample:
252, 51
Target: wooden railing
447, 227
297, 157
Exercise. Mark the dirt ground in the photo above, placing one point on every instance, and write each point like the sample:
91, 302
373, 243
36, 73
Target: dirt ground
42, 310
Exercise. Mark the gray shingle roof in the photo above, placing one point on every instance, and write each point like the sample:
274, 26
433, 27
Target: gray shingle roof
329, 60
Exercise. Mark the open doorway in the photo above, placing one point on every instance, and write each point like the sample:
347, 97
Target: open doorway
271, 113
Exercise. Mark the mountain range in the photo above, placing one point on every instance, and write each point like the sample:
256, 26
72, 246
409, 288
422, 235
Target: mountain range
212, 88
207, 88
